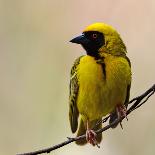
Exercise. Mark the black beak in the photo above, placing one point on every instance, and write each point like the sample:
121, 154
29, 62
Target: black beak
80, 40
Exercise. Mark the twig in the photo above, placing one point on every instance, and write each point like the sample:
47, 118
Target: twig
136, 103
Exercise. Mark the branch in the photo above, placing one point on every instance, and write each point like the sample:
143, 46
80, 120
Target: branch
136, 103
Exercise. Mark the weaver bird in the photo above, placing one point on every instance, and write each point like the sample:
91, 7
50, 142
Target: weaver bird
100, 81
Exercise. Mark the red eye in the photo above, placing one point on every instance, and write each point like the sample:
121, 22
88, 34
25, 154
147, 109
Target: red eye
94, 35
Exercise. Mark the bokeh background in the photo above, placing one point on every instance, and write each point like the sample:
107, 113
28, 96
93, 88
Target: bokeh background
35, 61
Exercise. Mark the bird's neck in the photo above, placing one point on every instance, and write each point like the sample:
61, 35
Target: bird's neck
94, 54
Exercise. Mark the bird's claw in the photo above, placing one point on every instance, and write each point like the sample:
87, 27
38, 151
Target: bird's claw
121, 112
91, 137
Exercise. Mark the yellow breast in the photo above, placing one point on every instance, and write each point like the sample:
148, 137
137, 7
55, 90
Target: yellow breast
99, 93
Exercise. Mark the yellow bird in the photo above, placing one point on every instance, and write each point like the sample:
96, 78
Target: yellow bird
100, 81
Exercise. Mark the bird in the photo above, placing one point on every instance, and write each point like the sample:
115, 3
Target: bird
100, 81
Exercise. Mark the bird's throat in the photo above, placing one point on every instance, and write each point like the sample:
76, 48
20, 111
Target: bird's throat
93, 54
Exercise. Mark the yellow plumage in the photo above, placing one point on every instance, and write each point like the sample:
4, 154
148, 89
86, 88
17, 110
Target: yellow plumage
99, 93
99, 82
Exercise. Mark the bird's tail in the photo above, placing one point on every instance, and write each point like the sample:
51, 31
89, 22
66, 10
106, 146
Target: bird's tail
82, 130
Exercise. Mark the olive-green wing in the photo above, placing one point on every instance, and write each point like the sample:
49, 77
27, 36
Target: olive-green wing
113, 116
74, 88
128, 86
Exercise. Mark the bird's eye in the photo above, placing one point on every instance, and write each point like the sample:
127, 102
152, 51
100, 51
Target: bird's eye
94, 35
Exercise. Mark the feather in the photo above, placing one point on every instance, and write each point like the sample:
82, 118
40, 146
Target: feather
74, 87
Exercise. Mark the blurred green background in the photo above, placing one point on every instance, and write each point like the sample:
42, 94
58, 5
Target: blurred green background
35, 62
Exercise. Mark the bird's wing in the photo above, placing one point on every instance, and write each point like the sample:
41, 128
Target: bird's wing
113, 116
74, 88
127, 95
128, 86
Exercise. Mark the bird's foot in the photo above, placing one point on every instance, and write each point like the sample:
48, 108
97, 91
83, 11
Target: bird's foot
121, 112
91, 137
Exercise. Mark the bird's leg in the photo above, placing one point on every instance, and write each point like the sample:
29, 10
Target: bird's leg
91, 135
121, 112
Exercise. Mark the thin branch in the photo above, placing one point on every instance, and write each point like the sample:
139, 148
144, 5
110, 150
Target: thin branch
136, 103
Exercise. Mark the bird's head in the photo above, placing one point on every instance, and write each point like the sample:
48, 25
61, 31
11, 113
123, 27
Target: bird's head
99, 39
